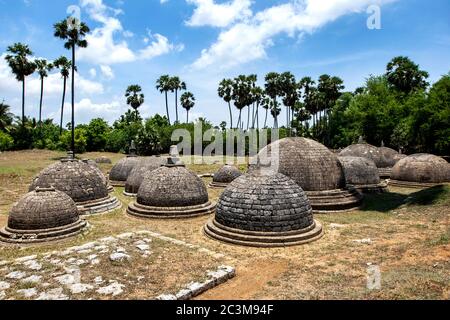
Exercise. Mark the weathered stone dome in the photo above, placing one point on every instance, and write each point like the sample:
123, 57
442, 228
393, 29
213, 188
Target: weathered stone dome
42, 215
121, 170
103, 160
105, 180
315, 169
420, 171
264, 209
389, 158
363, 174
365, 150
172, 191
225, 176
85, 185
139, 172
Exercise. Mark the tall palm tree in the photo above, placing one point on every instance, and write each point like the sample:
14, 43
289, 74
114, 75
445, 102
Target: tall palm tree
187, 102
64, 65
258, 94
176, 85
225, 91
307, 91
251, 79
6, 117
163, 85
242, 96
135, 97
21, 67
266, 103
43, 67
273, 91
288, 90
73, 32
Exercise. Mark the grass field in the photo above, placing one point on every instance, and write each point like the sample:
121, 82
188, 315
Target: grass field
406, 234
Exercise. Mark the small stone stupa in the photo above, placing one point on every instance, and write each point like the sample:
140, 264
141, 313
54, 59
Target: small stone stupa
224, 177
362, 173
420, 171
85, 185
141, 170
40, 216
264, 209
120, 172
172, 191
94, 166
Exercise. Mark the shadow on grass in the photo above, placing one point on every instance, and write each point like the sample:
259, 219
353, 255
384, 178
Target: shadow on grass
386, 202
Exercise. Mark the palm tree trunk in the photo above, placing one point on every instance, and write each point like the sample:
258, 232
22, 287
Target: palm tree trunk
73, 100
265, 121
240, 119
231, 115
176, 105
248, 118
23, 102
257, 116
187, 116
167, 108
62, 106
40, 101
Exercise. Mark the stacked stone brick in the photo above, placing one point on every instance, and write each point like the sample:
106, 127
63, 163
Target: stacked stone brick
85, 185
362, 173
141, 170
264, 209
225, 176
315, 169
95, 167
42, 215
420, 171
172, 191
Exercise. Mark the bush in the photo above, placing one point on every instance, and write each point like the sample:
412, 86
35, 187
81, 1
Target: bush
116, 141
46, 136
80, 140
6, 141
96, 135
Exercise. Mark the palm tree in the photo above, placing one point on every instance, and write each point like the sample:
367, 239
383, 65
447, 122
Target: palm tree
21, 67
187, 102
307, 91
163, 85
225, 91
43, 67
135, 97
6, 117
64, 65
258, 94
73, 31
176, 85
266, 103
242, 96
405, 76
273, 91
288, 89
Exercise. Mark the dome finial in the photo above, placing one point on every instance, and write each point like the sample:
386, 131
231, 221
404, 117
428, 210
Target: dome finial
133, 151
174, 158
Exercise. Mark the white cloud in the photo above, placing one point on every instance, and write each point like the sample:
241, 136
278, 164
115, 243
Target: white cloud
104, 49
248, 40
93, 72
107, 72
87, 110
209, 13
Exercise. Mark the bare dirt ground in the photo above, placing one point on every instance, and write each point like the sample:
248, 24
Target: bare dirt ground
405, 233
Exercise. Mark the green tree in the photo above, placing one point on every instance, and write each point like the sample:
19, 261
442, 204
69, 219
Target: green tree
163, 84
80, 140
135, 97
64, 65
21, 66
176, 85
6, 141
6, 117
73, 32
43, 67
405, 76
187, 102
225, 91
96, 135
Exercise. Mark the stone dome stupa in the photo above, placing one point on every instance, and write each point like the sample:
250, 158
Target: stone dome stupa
42, 215
172, 191
420, 171
85, 185
362, 173
122, 169
94, 166
225, 175
138, 174
264, 209
315, 169
389, 158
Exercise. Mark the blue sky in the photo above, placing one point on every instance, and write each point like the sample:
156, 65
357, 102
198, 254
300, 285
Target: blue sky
203, 41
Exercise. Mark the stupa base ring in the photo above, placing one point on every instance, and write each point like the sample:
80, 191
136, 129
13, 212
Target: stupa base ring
217, 231
110, 189
335, 201
385, 173
372, 188
12, 236
141, 211
100, 206
218, 185
119, 184
130, 195
414, 185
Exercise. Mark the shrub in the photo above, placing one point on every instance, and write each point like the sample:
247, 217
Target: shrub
6, 141
80, 140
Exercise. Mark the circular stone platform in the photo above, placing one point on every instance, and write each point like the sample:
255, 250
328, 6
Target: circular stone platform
121, 170
85, 185
264, 210
171, 192
138, 174
316, 170
420, 171
362, 173
224, 177
40, 216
